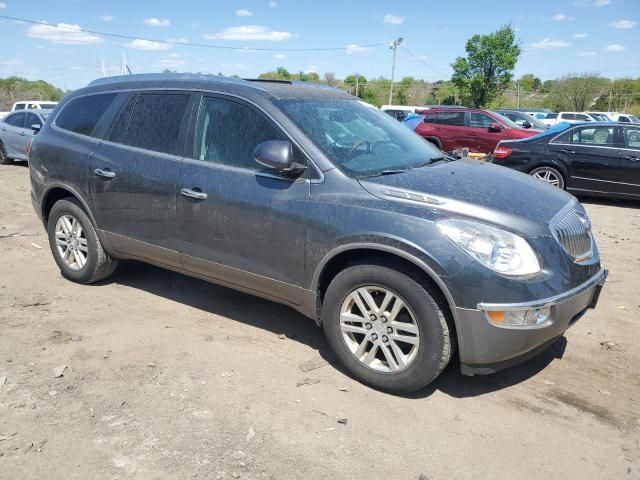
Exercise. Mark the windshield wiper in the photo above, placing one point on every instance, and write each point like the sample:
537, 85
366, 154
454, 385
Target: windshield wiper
389, 171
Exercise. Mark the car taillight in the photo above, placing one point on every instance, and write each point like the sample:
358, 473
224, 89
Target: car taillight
501, 152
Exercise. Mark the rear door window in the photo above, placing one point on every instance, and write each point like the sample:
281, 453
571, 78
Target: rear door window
432, 117
156, 121
81, 115
19, 106
452, 118
15, 120
593, 136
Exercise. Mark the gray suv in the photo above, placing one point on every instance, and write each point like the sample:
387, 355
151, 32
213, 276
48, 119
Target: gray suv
305, 195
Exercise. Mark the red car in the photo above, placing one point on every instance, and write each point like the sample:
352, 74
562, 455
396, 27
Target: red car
477, 130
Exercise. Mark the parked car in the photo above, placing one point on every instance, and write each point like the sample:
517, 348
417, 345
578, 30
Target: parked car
33, 105
537, 113
302, 195
523, 120
478, 130
16, 130
594, 159
624, 118
400, 112
568, 117
600, 116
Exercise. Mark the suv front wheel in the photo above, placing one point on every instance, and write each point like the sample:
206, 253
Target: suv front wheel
386, 328
75, 245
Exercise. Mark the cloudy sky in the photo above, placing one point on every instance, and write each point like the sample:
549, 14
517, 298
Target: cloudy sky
557, 37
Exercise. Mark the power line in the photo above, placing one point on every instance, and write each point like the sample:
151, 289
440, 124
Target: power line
188, 44
424, 63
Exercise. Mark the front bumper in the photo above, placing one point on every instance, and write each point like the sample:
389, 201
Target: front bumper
486, 347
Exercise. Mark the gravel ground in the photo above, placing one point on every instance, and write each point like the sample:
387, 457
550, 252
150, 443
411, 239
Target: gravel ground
171, 377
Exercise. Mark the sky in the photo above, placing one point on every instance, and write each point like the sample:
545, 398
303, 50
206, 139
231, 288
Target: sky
557, 37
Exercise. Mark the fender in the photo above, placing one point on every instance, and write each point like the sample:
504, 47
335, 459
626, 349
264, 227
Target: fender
422, 265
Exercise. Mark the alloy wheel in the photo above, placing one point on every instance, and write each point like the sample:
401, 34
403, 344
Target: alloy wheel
71, 242
379, 329
548, 175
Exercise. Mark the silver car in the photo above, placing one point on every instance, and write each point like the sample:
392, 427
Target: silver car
16, 129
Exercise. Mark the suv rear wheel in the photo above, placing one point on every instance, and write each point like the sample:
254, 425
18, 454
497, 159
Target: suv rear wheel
386, 328
75, 244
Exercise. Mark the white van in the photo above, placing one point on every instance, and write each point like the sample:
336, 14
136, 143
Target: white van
34, 104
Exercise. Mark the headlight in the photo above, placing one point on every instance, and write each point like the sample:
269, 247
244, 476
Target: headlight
501, 251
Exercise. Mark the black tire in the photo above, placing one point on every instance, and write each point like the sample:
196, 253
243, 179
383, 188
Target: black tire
4, 160
99, 264
437, 340
553, 171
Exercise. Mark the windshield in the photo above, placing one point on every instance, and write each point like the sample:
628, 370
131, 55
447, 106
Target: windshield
48, 106
358, 139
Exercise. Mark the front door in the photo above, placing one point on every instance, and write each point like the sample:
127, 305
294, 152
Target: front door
133, 176
481, 137
240, 222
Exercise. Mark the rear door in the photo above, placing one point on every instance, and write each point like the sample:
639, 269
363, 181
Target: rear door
134, 174
13, 135
240, 222
630, 160
592, 155
451, 130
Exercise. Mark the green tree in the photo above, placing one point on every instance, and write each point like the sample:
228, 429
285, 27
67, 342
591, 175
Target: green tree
13, 89
530, 83
576, 92
488, 66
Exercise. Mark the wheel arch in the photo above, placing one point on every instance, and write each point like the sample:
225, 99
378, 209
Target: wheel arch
346, 255
57, 192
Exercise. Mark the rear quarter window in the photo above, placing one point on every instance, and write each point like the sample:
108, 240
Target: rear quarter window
81, 115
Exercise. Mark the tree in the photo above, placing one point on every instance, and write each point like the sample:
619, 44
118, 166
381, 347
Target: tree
488, 67
13, 89
576, 92
330, 79
530, 83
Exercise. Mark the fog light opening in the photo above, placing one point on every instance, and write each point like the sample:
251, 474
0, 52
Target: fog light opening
520, 318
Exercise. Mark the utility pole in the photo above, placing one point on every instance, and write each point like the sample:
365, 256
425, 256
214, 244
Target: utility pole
518, 94
357, 84
610, 93
393, 46
123, 70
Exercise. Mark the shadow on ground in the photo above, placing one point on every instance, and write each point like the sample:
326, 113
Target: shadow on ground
279, 319
611, 202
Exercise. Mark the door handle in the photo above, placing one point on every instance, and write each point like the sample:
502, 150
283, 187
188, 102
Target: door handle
632, 158
471, 134
187, 192
22, 134
564, 150
104, 173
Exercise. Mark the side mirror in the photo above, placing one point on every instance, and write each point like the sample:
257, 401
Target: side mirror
495, 127
277, 155
526, 124
36, 127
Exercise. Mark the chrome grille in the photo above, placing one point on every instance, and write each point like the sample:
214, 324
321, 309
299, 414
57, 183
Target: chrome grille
573, 233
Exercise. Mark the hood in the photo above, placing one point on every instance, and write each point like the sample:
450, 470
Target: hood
474, 189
